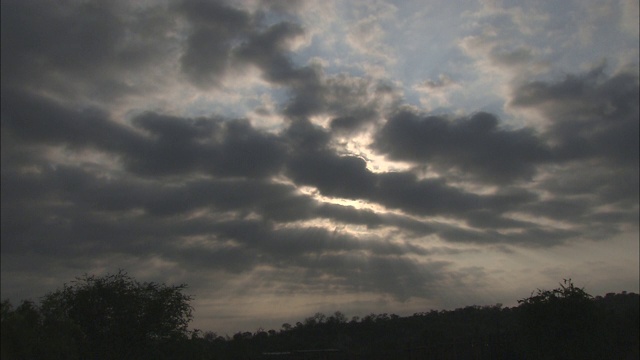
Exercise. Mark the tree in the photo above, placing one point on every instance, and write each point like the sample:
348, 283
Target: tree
20, 329
563, 323
116, 317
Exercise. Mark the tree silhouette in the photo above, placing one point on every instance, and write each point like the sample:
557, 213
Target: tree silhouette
115, 317
118, 318
20, 329
563, 323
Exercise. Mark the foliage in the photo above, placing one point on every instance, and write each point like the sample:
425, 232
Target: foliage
563, 323
119, 317
109, 317
20, 329
115, 317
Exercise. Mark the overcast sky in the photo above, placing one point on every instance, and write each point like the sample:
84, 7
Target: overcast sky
284, 158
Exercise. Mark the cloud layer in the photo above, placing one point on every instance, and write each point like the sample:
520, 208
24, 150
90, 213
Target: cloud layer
331, 184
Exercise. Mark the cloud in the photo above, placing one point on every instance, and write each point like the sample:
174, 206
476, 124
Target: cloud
39, 119
590, 115
232, 148
473, 145
592, 122
225, 148
333, 175
442, 81
516, 57
97, 216
84, 49
242, 149
351, 102
160, 145
268, 51
175, 145
214, 29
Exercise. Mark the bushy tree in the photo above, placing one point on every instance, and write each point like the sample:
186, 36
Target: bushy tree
563, 323
116, 317
20, 329
26, 334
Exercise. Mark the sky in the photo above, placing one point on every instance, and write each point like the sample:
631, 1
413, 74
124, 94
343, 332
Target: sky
284, 158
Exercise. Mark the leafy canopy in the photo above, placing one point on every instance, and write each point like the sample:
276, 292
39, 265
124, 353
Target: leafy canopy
563, 323
116, 312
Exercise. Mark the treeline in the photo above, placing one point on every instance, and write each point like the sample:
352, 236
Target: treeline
565, 323
115, 317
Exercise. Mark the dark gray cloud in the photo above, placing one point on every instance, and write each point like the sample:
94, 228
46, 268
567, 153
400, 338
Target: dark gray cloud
474, 145
158, 144
534, 236
215, 30
283, 7
352, 102
333, 175
424, 197
223, 39
487, 219
517, 57
348, 177
442, 82
100, 216
82, 49
225, 148
173, 145
403, 278
268, 50
75, 37
591, 115
594, 125
93, 49
38, 119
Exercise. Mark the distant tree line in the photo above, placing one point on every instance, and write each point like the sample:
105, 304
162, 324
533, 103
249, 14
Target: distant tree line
115, 317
